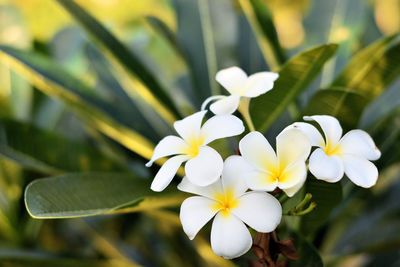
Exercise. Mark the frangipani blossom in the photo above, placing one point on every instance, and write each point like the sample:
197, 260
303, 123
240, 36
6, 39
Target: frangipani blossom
204, 164
232, 207
286, 169
336, 155
238, 84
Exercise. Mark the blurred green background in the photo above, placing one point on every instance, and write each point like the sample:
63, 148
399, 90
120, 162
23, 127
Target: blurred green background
75, 103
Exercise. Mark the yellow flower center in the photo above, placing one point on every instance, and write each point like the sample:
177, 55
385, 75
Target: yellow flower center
331, 150
193, 145
225, 202
275, 173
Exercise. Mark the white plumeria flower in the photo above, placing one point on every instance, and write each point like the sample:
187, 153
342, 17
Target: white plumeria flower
232, 207
238, 84
336, 155
204, 164
286, 169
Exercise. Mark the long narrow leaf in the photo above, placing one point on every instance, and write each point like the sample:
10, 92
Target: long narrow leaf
146, 84
196, 41
87, 194
55, 82
372, 69
326, 101
368, 74
260, 19
294, 77
49, 152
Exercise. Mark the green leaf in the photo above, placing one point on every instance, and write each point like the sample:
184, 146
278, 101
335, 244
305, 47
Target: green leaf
327, 196
308, 254
161, 28
372, 69
49, 152
17, 257
149, 87
260, 19
326, 101
196, 40
379, 219
383, 106
87, 194
56, 82
363, 79
294, 77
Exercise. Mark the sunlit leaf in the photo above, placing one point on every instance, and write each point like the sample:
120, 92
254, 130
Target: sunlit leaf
368, 74
87, 194
49, 152
55, 82
294, 77
372, 69
145, 82
260, 19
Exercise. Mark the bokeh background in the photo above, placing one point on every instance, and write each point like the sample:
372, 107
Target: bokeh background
364, 230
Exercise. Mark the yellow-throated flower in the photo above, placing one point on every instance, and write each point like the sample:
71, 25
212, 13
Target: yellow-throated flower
232, 207
336, 155
204, 164
286, 169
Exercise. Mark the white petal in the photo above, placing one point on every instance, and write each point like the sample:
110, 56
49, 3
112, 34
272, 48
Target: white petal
226, 105
360, 171
326, 168
312, 133
360, 143
204, 169
190, 126
211, 99
259, 210
230, 238
256, 150
260, 180
292, 145
167, 172
207, 191
330, 126
231, 78
195, 213
169, 145
293, 175
235, 167
294, 189
221, 126
259, 83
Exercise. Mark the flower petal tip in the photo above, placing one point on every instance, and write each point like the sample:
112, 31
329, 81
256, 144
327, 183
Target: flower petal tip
148, 164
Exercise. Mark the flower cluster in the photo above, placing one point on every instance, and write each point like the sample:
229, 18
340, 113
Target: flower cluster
234, 192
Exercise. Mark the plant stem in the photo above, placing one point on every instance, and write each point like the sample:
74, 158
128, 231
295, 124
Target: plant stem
244, 110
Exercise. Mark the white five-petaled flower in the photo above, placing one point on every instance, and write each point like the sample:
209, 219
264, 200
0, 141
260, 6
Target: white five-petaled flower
204, 164
232, 207
336, 155
238, 84
286, 169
